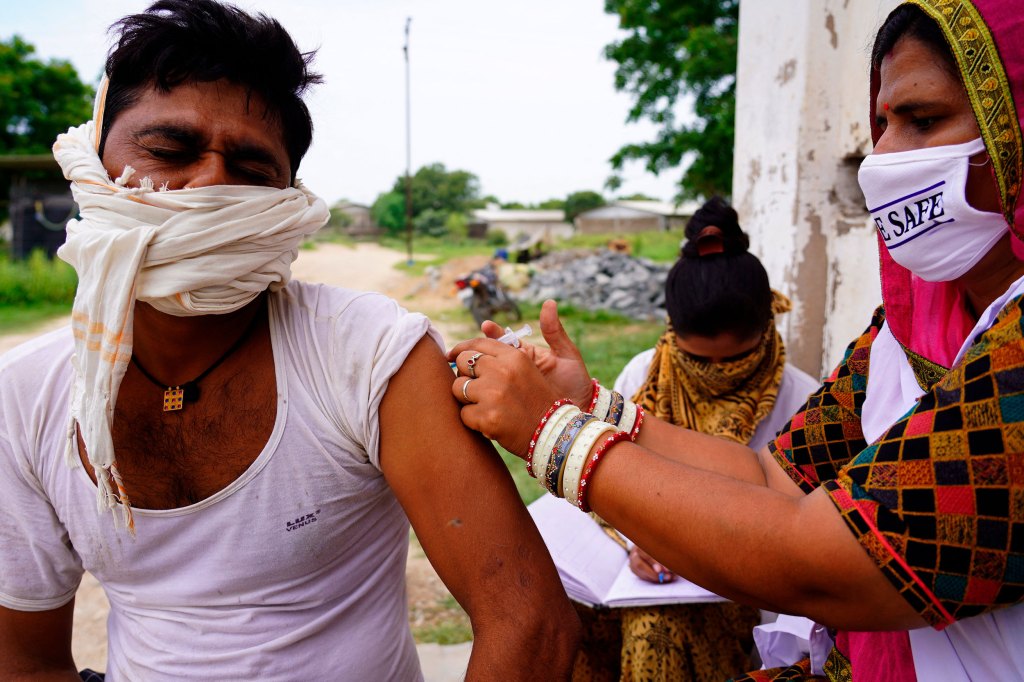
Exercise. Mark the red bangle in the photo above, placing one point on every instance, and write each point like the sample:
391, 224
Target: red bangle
635, 431
540, 427
581, 497
593, 400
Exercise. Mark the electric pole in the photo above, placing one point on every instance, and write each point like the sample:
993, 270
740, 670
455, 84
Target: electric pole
408, 149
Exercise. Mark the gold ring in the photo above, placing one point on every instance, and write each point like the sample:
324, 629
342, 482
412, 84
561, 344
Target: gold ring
464, 387
471, 364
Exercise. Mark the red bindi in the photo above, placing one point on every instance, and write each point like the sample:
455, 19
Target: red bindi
886, 106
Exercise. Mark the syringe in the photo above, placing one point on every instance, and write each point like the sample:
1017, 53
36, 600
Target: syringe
512, 338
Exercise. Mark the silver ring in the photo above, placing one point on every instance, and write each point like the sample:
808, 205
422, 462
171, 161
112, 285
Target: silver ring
471, 364
464, 386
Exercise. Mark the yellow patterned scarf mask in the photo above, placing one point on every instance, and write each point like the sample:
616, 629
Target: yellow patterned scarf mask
726, 399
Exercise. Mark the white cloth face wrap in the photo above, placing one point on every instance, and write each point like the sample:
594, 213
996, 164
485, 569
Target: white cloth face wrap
200, 251
918, 201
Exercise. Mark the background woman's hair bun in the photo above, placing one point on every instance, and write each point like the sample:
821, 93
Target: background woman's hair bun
715, 229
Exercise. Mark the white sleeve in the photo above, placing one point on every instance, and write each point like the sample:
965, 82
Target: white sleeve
380, 334
39, 570
633, 375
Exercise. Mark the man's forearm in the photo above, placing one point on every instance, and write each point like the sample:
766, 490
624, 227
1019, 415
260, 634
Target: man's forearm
539, 648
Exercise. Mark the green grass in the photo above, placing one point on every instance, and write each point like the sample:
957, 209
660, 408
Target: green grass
36, 280
529, 488
24, 318
429, 251
454, 631
33, 291
661, 247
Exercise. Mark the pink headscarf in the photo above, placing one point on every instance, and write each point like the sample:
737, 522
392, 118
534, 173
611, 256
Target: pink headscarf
987, 41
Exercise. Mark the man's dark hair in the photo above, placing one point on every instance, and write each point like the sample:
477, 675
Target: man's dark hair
910, 21
717, 286
176, 42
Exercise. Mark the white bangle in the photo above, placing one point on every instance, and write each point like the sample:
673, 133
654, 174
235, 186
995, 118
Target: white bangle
545, 441
628, 418
604, 401
579, 455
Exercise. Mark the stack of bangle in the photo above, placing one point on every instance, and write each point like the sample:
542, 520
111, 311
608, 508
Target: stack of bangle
560, 451
552, 422
611, 407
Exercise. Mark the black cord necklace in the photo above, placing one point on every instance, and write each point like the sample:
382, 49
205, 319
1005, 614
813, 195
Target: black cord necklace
175, 397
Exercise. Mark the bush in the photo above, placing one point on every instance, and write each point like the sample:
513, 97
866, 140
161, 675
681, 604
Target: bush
457, 226
388, 211
431, 222
36, 280
496, 238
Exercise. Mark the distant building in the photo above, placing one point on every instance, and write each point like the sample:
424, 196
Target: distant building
40, 203
635, 216
356, 221
524, 224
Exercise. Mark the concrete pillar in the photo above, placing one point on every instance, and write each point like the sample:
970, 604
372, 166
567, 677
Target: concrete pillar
801, 132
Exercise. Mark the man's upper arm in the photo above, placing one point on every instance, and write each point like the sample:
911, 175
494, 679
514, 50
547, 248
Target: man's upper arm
460, 498
37, 644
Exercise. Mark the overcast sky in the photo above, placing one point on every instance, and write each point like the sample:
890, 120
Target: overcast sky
517, 92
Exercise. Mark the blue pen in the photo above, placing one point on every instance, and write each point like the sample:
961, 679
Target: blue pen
661, 578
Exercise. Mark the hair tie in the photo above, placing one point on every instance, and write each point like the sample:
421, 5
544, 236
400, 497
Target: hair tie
709, 241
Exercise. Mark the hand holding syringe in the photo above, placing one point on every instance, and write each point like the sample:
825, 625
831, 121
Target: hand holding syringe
510, 337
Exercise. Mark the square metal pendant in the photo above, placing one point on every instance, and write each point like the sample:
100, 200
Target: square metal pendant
174, 399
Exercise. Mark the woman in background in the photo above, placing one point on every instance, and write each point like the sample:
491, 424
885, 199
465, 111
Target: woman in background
720, 368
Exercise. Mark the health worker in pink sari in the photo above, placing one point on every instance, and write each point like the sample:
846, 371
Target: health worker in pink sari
891, 508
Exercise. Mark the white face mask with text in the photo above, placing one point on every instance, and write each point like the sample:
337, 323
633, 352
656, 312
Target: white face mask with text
918, 201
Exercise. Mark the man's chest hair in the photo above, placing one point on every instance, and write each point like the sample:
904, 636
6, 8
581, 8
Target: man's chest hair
174, 459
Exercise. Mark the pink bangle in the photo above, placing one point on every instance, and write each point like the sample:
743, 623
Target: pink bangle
635, 431
540, 427
597, 392
581, 497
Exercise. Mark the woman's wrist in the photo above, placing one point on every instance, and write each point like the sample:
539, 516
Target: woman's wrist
612, 407
568, 443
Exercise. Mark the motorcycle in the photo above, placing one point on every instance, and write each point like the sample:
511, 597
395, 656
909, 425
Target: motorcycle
483, 294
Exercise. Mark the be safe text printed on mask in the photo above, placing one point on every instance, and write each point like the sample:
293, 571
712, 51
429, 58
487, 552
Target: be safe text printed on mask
909, 217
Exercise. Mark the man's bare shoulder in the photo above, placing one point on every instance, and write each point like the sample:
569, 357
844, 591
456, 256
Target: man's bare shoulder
38, 359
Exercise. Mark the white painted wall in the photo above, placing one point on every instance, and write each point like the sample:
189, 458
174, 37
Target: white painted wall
801, 131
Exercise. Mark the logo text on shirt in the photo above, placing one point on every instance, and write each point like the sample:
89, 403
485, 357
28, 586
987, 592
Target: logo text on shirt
302, 521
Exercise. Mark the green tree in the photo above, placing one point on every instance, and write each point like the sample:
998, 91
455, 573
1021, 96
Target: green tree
638, 196
388, 211
435, 187
38, 100
578, 202
552, 204
437, 194
676, 51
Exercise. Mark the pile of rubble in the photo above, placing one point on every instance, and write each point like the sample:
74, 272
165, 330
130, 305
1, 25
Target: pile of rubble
600, 280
